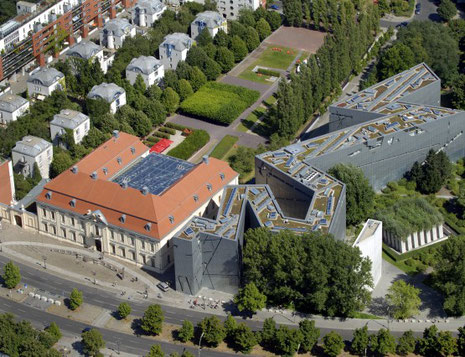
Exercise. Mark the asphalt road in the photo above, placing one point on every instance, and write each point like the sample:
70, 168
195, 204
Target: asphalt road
428, 12
127, 343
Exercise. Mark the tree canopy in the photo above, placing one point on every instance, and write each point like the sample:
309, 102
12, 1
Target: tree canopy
404, 299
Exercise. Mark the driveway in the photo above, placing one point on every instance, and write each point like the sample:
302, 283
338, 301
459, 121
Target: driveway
428, 12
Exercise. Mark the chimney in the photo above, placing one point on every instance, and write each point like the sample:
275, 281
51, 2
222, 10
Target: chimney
124, 184
116, 134
145, 190
74, 169
205, 159
94, 175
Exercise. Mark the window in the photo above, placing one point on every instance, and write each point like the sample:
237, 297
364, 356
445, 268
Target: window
63, 233
132, 240
144, 259
113, 248
169, 259
168, 244
153, 262
112, 235
72, 221
73, 236
62, 218
53, 215
196, 198
209, 186
152, 247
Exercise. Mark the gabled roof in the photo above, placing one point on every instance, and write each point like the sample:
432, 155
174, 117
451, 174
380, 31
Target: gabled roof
106, 91
144, 64
164, 212
150, 6
117, 27
211, 19
45, 76
69, 119
84, 49
180, 41
11, 102
6, 179
31, 146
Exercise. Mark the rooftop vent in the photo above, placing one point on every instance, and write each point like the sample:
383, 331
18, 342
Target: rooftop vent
119, 160
116, 134
133, 150
48, 195
72, 203
122, 218
196, 198
74, 170
124, 184
145, 190
205, 159
94, 175
171, 218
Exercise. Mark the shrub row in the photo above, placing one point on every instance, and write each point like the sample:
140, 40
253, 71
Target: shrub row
161, 135
152, 139
268, 72
175, 126
190, 145
167, 130
219, 102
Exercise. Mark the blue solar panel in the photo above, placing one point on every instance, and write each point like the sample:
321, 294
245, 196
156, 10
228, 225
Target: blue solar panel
392, 125
268, 224
254, 191
329, 205
189, 231
230, 200
156, 172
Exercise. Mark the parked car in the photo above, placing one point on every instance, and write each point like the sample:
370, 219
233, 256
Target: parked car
402, 24
163, 286
275, 7
418, 9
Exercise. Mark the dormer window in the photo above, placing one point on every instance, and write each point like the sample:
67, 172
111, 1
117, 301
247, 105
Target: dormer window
209, 187
196, 198
72, 203
148, 226
133, 150
122, 219
48, 195
222, 176
119, 160
105, 171
171, 218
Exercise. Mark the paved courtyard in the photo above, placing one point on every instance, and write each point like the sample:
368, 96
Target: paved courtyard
298, 38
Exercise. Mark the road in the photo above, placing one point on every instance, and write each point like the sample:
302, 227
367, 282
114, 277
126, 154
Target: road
428, 12
127, 343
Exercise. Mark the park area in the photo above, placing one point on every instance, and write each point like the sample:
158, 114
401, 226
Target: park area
219, 102
282, 48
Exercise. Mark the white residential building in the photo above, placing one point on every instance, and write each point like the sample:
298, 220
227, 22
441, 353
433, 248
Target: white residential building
414, 240
151, 70
75, 121
29, 151
44, 81
174, 48
146, 12
25, 7
115, 31
370, 243
12, 107
90, 51
111, 93
210, 20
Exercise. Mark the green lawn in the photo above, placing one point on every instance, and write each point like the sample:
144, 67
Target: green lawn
248, 122
405, 268
254, 77
276, 59
364, 315
224, 146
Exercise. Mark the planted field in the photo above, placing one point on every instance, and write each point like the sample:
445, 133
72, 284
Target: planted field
219, 102
222, 148
277, 57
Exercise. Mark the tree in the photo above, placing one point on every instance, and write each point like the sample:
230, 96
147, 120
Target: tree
225, 58
244, 338
139, 84
156, 112
221, 39
252, 40
333, 344
197, 79
429, 345
432, 174
268, 332
211, 69
447, 343
263, 29
204, 38
92, 342
396, 59
75, 299
383, 342
11, 275
287, 340
310, 335
61, 161
230, 325
274, 19
170, 99
212, 330
247, 17
406, 343
185, 89
96, 107
360, 341
138, 121
54, 330
186, 332
447, 10
124, 309
359, 194
250, 299
238, 48
404, 299
154, 91
152, 321
458, 91
155, 351
461, 341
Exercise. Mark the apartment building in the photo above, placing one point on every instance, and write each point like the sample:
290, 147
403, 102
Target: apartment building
12, 107
67, 119
151, 70
29, 151
173, 49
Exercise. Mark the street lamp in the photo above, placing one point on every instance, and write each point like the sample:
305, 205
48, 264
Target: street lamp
200, 342
117, 344
94, 273
45, 261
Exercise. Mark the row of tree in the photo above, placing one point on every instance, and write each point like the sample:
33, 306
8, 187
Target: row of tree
352, 34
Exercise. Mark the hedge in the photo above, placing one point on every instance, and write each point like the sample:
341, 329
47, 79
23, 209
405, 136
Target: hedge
176, 126
161, 135
224, 146
268, 72
219, 102
152, 139
167, 130
190, 145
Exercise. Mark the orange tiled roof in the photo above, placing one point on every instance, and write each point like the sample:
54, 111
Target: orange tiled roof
6, 194
114, 201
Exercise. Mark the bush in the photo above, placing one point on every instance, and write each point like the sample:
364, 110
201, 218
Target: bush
168, 130
219, 102
190, 145
268, 72
152, 139
175, 126
161, 135
124, 309
186, 332
75, 299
